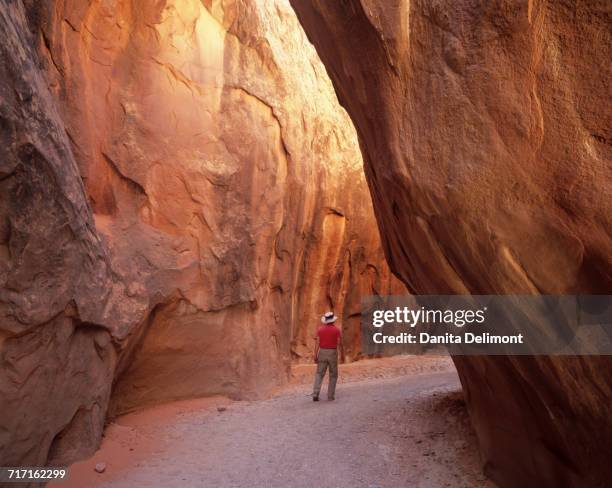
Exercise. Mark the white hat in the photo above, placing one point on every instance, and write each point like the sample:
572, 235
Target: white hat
328, 318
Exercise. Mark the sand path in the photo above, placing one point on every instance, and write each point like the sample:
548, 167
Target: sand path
390, 432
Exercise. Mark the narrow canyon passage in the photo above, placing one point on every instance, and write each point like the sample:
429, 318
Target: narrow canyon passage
380, 432
187, 186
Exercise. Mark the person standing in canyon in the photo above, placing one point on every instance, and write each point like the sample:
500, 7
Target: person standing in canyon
327, 343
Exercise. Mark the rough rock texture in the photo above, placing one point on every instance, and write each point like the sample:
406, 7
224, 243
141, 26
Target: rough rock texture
182, 197
56, 289
486, 134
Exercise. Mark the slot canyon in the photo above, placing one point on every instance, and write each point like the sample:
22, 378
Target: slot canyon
183, 195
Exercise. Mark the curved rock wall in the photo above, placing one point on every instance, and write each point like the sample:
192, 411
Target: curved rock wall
485, 131
57, 299
184, 197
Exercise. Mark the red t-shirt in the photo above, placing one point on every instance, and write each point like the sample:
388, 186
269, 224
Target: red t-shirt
328, 336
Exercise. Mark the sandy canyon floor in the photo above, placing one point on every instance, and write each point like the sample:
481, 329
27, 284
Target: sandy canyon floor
396, 422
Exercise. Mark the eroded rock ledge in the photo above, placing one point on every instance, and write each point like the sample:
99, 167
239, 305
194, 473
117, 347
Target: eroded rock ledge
485, 130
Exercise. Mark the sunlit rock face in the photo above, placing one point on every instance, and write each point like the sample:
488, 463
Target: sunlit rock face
182, 198
485, 128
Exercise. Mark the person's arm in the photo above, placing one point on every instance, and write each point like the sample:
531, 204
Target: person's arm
316, 351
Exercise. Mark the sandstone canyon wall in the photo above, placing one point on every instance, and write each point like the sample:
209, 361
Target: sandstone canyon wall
486, 133
182, 197
58, 298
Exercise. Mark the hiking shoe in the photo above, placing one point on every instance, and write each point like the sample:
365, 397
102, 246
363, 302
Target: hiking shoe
330, 399
315, 398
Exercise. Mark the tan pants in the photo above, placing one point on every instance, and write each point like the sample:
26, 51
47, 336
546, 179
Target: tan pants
328, 358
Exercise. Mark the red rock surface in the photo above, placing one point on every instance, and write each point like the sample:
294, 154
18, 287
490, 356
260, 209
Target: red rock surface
485, 129
57, 299
182, 197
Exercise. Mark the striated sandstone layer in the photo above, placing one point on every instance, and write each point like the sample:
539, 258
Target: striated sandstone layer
486, 133
182, 197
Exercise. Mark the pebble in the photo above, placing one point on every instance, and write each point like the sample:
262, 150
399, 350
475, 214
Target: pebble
221, 409
100, 467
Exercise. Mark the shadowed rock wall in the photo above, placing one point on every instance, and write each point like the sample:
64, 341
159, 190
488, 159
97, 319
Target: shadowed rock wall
57, 297
182, 197
485, 129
